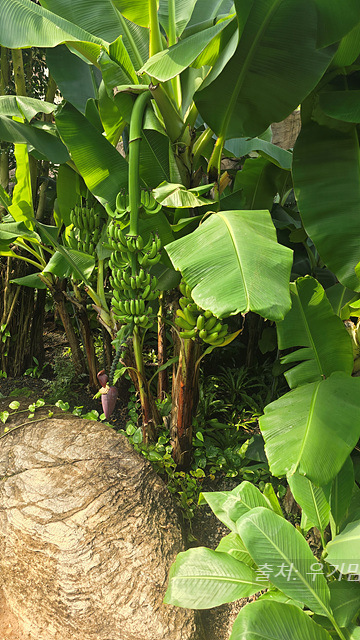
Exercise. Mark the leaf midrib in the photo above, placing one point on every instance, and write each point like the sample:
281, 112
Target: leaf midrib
308, 425
305, 583
237, 253
309, 334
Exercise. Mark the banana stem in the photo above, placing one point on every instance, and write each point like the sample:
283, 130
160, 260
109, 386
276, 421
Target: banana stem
148, 413
200, 144
337, 628
155, 44
174, 125
134, 156
175, 82
214, 166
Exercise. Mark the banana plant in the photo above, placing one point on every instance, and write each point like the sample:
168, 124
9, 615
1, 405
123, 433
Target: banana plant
301, 595
185, 57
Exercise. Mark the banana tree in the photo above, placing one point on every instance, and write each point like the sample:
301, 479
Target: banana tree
186, 58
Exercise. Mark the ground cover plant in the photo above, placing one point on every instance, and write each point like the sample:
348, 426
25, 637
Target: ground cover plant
151, 232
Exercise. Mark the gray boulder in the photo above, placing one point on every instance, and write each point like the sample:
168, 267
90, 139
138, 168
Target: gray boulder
88, 532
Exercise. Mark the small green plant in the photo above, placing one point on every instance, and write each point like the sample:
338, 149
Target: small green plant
36, 370
64, 376
267, 555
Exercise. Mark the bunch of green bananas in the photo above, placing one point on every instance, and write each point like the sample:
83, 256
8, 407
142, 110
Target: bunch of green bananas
196, 322
148, 203
133, 288
146, 254
85, 232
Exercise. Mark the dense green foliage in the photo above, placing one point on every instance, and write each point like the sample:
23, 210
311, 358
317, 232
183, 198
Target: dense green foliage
179, 86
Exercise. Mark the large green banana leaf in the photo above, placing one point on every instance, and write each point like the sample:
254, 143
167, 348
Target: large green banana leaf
206, 10
344, 550
349, 49
183, 11
234, 264
21, 207
25, 24
263, 619
102, 19
277, 48
341, 492
72, 75
23, 107
326, 172
229, 506
170, 62
313, 428
202, 578
255, 186
242, 146
336, 19
274, 542
341, 105
311, 323
104, 169
234, 546
314, 501
50, 146
345, 603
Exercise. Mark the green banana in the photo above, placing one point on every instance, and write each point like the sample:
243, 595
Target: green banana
200, 322
146, 292
187, 335
210, 323
203, 334
189, 316
183, 324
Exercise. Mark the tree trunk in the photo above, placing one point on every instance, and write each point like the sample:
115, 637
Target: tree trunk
37, 328
16, 315
163, 380
184, 402
60, 304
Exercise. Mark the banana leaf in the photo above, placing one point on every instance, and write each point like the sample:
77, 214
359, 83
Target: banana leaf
229, 506
102, 19
341, 493
49, 146
313, 428
243, 146
344, 550
336, 19
264, 619
73, 76
255, 186
349, 49
314, 501
24, 24
23, 107
320, 155
342, 105
104, 169
170, 62
233, 264
325, 344
21, 207
273, 541
202, 578
277, 48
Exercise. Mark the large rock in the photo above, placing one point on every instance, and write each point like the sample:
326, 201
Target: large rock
87, 535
